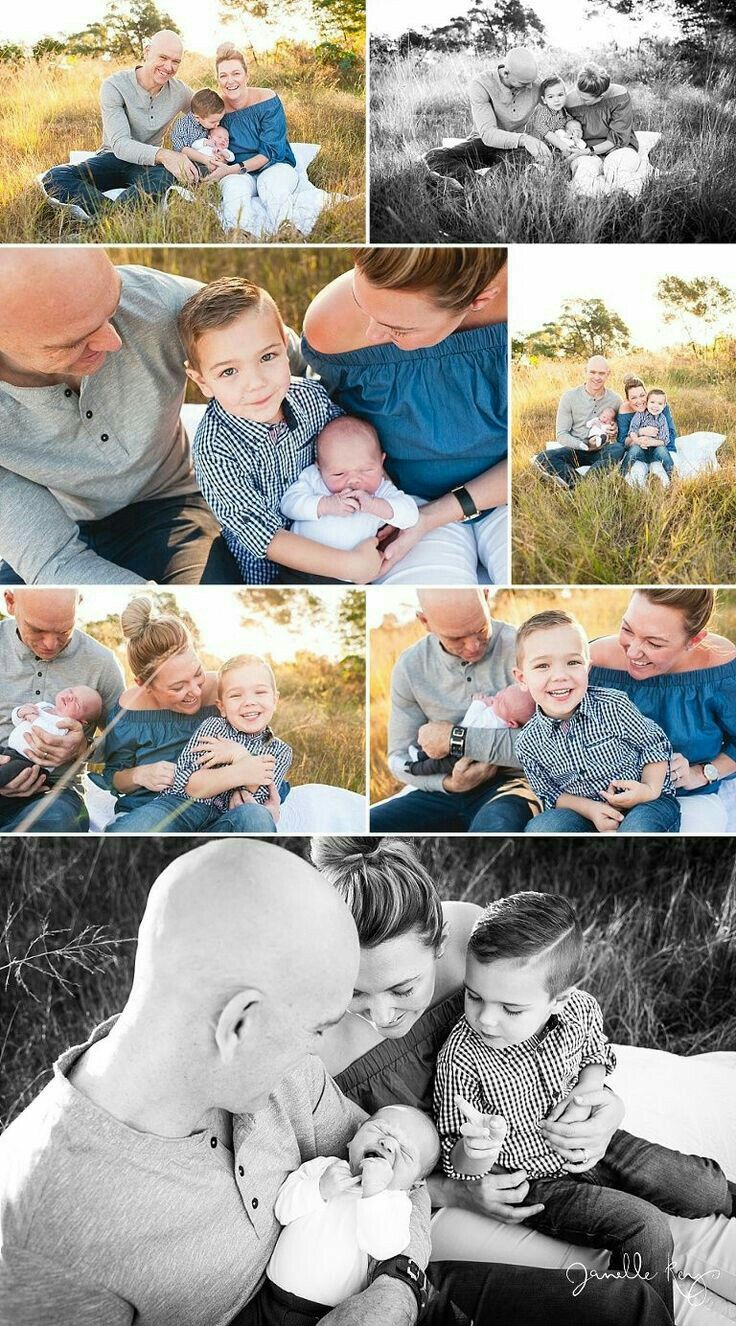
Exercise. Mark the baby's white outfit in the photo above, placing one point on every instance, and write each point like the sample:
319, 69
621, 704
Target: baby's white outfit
597, 430
47, 719
204, 145
322, 1252
299, 504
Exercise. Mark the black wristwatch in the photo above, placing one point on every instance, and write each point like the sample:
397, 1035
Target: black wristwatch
457, 740
407, 1270
467, 505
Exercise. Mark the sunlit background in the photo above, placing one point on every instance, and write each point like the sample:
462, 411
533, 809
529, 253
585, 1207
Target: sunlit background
571, 24
200, 22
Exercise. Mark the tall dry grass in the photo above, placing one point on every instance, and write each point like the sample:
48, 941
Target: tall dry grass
660, 921
418, 101
598, 610
47, 110
605, 532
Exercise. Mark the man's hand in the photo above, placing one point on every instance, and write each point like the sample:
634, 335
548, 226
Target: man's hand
386, 1301
28, 783
483, 1134
537, 150
628, 792
339, 504
468, 774
434, 739
184, 170
47, 748
337, 1179
605, 819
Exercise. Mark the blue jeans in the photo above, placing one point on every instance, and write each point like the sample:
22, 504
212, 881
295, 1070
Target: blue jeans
63, 812
483, 810
171, 814
565, 462
620, 1204
660, 816
648, 455
87, 183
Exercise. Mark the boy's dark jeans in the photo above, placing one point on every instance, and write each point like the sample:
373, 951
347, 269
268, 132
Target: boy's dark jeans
649, 455
87, 183
621, 1202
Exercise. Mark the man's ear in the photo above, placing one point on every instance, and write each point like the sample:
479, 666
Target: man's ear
195, 376
519, 678
235, 1021
9, 597
420, 618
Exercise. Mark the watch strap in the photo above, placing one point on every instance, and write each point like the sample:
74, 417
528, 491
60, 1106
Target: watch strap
410, 1273
467, 505
457, 740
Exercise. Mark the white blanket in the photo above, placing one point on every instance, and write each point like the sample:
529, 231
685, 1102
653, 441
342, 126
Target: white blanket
623, 169
695, 454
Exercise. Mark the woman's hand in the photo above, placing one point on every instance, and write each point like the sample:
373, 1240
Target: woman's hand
156, 777
499, 1195
220, 171
364, 563
394, 548
216, 751
689, 777
583, 1144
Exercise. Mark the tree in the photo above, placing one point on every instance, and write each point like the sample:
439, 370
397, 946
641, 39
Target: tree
124, 30
283, 607
351, 621
695, 304
587, 327
334, 18
47, 47
546, 343
11, 53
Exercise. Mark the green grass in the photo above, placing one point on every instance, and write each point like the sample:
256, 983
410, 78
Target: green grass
660, 920
418, 101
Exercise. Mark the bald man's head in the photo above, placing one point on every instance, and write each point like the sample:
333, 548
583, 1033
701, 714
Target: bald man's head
55, 312
460, 618
245, 953
597, 373
161, 59
44, 618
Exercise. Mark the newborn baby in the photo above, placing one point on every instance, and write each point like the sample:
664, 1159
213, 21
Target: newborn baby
215, 144
598, 428
346, 497
80, 702
338, 1213
511, 707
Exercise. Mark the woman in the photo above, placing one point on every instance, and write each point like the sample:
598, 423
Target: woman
635, 400
684, 677
408, 996
605, 111
414, 340
153, 722
265, 166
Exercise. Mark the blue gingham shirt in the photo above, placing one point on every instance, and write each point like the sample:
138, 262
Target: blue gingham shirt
643, 419
244, 468
186, 131
604, 739
522, 1082
258, 743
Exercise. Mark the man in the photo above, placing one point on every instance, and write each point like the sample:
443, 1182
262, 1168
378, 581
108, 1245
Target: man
501, 103
464, 651
138, 105
140, 1184
96, 479
577, 407
42, 651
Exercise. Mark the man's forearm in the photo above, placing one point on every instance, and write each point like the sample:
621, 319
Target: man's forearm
492, 746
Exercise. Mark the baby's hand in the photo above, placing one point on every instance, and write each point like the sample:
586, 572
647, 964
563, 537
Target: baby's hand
339, 504
27, 711
487, 700
376, 1174
570, 1111
605, 819
337, 1179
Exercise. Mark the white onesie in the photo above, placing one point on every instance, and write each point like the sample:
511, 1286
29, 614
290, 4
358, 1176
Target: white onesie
204, 145
299, 503
47, 719
322, 1252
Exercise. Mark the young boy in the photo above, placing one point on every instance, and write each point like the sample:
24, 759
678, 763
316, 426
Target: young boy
531, 1046
336, 1214
205, 112
211, 768
83, 703
589, 754
511, 707
258, 433
345, 497
551, 122
651, 432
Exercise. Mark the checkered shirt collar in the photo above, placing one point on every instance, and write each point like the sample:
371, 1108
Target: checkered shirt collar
258, 434
583, 710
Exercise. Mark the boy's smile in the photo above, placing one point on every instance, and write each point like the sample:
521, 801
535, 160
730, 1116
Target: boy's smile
554, 669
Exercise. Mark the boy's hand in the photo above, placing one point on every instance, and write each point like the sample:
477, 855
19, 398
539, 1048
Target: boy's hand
569, 1110
606, 819
339, 504
364, 562
273, 803
483, 1134
337, 1179
627, 792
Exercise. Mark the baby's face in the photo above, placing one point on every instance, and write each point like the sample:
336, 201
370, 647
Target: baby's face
506, 1001
399, 1139
554, 97
554, 669
80, 702
347, 461
247, 698
656, 404
219, 138
513, 705
607, 416
245, 366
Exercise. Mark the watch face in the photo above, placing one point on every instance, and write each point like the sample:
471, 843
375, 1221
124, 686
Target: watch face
711, 773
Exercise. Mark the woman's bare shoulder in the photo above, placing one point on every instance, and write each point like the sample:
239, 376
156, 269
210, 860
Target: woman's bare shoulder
460, 918
262, 94
718, 651
333, 323
343, 1044
135, 697
607, 653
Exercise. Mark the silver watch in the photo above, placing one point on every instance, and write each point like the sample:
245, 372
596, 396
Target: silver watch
710, 773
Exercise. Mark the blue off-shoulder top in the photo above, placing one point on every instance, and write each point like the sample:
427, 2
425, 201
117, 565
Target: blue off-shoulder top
696, 709
440, 411
144, 736
259, 129
624, 427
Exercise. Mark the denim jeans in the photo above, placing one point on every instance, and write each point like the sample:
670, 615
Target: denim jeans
472, 154
172, 814
63, 812
86, 183
660, 816
565, 462
621, 1202
483, 810
648, 455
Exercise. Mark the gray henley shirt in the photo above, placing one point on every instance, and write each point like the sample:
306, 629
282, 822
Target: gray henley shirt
576, 407
133, 121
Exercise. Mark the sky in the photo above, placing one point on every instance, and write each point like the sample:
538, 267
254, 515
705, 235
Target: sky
625, 277
217, 613
567, 22
199, 21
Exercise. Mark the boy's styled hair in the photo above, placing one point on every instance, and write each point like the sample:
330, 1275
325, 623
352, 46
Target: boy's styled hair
207, 102
453, 277
656, 391
545, 621
217, 305
385, 886
529, 927
547, 83
243, 661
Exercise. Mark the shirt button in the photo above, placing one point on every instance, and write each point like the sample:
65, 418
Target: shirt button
254, 1203
241, 1171
88, 414
104, 437
39, 674
213, 1142
68, 391
38, 692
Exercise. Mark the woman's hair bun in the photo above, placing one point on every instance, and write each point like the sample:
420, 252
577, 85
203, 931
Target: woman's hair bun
135, 616
337, 851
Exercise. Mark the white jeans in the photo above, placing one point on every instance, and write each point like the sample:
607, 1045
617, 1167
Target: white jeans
706, 814
450, 555
274, 187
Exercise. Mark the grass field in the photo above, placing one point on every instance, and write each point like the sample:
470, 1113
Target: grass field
46, 111
599, 611
605, 532
661, 921
418, 101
